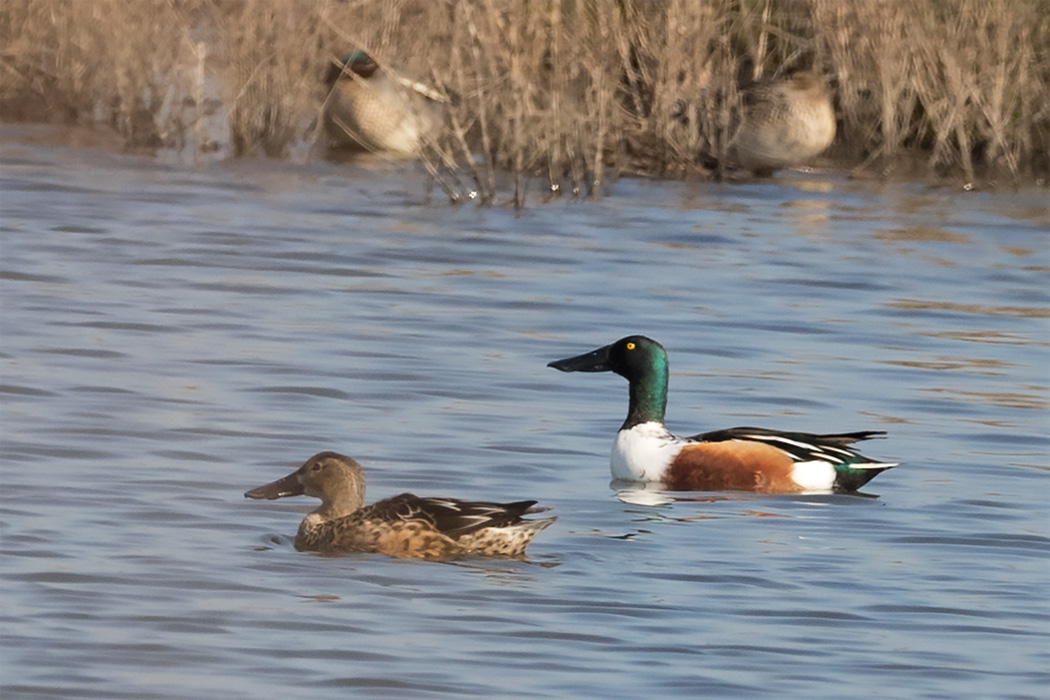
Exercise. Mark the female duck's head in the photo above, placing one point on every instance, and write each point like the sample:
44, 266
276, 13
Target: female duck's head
338, 480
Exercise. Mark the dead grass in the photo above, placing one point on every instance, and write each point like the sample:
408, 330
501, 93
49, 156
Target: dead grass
570, 90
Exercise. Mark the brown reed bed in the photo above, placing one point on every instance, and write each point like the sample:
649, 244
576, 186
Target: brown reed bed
567, 90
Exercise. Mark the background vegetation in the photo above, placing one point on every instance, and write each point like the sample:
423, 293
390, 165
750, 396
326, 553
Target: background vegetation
566, 89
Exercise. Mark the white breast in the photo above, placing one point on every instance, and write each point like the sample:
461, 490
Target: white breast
644, 452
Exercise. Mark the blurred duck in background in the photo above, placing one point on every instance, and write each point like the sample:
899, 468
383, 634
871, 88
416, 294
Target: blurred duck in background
370, 107
786, 123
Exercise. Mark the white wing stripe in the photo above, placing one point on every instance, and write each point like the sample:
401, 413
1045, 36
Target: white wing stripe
828, 453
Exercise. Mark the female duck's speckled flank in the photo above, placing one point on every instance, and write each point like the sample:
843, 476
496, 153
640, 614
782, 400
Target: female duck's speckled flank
372, 108
402, 526
737, 459
786, 123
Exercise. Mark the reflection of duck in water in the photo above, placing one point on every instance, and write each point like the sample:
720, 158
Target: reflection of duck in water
737, 459
371, 108
786, 123
402, 526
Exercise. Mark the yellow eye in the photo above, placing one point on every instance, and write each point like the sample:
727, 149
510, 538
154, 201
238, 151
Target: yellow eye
630, 346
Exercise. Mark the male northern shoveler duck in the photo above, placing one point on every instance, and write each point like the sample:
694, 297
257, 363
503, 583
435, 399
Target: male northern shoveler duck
737, 459
785, 123
372, 108
403, 526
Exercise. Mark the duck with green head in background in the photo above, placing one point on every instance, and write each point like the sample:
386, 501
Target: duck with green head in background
370, 107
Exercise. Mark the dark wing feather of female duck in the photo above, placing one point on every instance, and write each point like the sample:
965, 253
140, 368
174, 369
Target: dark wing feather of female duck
450, 516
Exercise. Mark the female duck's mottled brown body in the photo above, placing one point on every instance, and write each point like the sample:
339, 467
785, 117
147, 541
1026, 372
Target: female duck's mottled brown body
402, 526
786, 123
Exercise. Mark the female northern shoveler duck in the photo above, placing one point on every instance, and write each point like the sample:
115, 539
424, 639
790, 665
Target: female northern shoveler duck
737, 459
373, 108
785, 123
402, 526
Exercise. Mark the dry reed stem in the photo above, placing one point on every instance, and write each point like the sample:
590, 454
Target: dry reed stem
562, 89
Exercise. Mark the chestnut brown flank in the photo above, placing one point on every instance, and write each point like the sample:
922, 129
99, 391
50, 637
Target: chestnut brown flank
731, 465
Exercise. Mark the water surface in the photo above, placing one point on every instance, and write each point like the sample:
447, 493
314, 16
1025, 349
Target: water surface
171, 338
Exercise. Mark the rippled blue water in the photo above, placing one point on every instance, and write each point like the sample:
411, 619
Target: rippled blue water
171, 338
